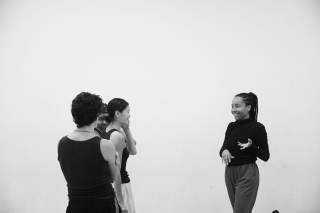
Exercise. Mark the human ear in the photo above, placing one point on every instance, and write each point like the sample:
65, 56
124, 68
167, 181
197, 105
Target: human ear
249, 108
117, 113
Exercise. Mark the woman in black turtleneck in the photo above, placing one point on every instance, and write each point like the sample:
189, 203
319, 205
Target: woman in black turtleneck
245, 140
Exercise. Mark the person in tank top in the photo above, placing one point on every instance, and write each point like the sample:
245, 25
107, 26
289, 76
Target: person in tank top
120, 135
87, 161
245, 141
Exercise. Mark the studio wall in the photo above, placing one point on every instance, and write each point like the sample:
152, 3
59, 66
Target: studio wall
178, 64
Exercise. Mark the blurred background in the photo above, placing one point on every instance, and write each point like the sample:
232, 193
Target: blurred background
178, 64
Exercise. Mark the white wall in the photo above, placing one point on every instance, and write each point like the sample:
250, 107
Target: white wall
178, 64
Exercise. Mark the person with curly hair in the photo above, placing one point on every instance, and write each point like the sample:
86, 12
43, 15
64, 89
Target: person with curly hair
87, 161
120, 134
245, 140
101, 121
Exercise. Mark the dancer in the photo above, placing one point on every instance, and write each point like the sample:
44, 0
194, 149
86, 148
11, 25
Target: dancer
101, 121
119, 133
245, 140
87, 161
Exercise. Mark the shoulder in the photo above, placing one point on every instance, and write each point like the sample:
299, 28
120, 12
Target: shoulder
259, 126
117, 136
106, 144
230, 125
63, 139
118, 140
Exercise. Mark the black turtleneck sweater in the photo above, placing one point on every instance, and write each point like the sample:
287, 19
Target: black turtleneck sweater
240, 131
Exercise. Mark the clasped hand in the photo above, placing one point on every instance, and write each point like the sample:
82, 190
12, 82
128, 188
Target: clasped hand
245, 145
226, 155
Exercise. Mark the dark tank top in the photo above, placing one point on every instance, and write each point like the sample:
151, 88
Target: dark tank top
125, 155
85, 169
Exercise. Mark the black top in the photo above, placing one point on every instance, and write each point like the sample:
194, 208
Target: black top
125, 155
85, 169
240, 131
97, 131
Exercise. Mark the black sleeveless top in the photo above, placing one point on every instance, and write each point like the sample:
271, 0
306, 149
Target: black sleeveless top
125, 155
85, 169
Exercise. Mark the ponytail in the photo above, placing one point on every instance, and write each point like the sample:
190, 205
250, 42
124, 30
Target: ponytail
252, 100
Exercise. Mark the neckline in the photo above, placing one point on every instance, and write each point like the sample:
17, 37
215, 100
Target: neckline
84, 131
111, 130
83, 140
244, 121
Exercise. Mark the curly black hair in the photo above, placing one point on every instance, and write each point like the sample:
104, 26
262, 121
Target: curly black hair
85, 108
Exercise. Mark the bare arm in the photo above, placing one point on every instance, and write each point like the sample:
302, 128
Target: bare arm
131, 143
109, 154
118, 141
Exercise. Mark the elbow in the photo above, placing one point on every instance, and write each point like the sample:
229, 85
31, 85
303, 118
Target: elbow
266, 158
133, 152
113, 177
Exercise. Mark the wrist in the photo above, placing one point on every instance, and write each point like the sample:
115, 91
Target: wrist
126, 129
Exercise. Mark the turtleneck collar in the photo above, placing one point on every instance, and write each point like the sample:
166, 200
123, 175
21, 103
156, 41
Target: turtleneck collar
244, 121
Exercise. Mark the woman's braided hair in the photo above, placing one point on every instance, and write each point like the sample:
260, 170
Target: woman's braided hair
252, 100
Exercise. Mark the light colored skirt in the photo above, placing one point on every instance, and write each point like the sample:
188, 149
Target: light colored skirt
128, 197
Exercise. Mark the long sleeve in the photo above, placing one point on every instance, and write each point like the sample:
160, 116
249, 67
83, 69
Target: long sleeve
261, 149
228, 131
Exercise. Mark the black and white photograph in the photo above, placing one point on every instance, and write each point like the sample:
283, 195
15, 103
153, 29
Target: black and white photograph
159, 106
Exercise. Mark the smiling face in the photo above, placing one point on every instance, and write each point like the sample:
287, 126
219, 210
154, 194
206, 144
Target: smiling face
239, 109
124, 116
101, 122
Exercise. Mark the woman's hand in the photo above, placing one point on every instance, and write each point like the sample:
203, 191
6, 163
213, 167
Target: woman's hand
117, 159
125, 127
245, 145
226, 157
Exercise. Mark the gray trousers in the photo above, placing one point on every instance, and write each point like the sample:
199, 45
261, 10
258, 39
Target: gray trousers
242, 184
